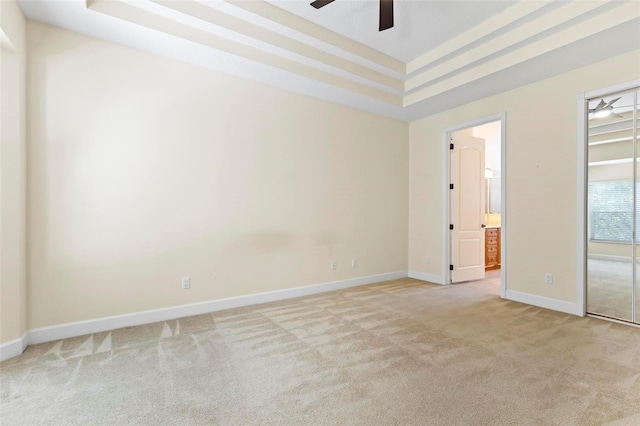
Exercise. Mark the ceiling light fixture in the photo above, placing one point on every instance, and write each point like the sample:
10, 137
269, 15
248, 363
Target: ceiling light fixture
602, 113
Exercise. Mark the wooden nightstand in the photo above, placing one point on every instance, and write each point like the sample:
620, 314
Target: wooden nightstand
492, 248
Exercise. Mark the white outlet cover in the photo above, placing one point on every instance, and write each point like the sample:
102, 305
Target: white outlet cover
186, 282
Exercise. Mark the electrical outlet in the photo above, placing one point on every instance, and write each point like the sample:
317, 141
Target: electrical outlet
548, 278
354, 262
334, 265
428, 259
186, 283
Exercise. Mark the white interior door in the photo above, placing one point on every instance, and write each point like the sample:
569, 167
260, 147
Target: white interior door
467, 207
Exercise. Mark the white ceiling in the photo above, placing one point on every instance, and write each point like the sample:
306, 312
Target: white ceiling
439, 55
419, 25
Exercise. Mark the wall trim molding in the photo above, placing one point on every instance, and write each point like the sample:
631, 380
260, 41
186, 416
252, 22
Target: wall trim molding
14, 347
80, 328
424, 276
581, 197
545, 302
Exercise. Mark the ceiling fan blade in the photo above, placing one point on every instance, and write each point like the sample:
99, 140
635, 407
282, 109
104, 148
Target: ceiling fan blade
612, 102
386, 15
598, 107
321, 3
616, 115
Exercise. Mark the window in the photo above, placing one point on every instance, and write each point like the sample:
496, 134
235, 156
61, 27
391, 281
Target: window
611, 211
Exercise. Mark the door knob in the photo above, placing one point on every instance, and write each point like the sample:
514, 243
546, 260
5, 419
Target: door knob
484, 226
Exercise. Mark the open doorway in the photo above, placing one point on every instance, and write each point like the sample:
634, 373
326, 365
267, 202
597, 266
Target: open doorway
474, 207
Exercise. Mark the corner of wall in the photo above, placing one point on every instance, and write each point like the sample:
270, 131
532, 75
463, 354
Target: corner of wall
14, 347
13, 283
432, 278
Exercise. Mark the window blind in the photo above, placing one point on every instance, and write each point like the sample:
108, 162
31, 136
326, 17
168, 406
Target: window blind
611, 211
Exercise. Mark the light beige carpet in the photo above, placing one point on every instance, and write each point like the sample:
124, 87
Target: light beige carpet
609, 288
402, 352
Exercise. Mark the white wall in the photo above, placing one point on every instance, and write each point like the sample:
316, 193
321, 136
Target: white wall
143, 170
541, 137
13, 285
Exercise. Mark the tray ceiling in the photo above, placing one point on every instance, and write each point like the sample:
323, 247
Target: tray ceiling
439, 55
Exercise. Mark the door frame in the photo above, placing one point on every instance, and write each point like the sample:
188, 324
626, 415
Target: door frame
581, 192
446, 213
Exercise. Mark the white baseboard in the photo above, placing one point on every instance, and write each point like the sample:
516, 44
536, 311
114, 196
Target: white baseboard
544, 302
610, 258
14, 347
64, 331
432, 278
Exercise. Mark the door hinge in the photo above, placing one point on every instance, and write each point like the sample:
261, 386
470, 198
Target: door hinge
450, 186
451, 226
450, 146
451, 267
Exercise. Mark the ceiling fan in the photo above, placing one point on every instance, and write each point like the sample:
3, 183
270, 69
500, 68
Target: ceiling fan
604, 109
386, 12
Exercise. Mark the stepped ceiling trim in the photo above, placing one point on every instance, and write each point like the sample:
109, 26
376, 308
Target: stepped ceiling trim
264, 41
